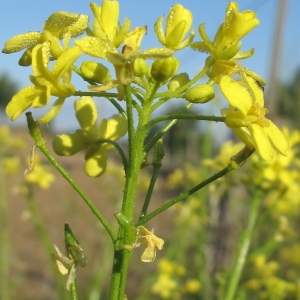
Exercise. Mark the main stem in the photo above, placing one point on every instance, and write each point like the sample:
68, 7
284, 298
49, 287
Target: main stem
135, 158
244, 248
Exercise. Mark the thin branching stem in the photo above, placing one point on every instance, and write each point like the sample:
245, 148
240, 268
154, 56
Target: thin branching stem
184, 195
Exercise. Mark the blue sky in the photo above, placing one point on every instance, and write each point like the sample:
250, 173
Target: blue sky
23, 16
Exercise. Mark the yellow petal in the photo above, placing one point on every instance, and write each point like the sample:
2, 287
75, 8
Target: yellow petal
156, 53
40, 60
133, 38
86, 113
61, 268
62, 22
179, 22
113, 128
68, 144
21, 101
65, 61
109, 18
236, 94
255, 89
277, 138
95, 165
149, 253
262, 143
22, 41
53, 111
95, 47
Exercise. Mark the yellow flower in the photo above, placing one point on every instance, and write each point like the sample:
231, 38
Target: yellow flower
46, 83
10, 165
106, 23
178, 23
192, 286
107, 36
246, 116
90, 136
227, 43
165, 286
60, 25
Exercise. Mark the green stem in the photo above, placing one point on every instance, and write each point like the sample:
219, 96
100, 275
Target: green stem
41, 144
186, 117
165, 129
80, 192
173, 94
244, 248
118, 148
74, 290
108, 96
136, 154
185, 195
156, 169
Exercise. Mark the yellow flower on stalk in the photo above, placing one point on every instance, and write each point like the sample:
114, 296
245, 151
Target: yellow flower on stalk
46, 83
60, 25
246, 116
178, 23
107, 36
226, 43
90, 136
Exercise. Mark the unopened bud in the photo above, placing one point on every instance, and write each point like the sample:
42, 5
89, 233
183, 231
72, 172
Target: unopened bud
95, 71
200, 93
140, 67
164, 68
178, 81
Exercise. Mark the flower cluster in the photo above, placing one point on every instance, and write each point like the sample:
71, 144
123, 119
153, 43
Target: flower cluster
95, 139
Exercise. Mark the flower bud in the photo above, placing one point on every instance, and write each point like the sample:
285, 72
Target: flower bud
179, 22
95, 71
140, 67
178, 81
164, 68
200, 93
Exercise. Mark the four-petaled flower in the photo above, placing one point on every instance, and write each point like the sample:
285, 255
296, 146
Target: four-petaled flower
94, 139
227, 43
246, 116
107, 36
46, 83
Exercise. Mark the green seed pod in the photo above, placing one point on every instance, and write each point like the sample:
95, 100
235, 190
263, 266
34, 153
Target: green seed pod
164, 68
78, 254
200, 93
178, 81
95, 71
